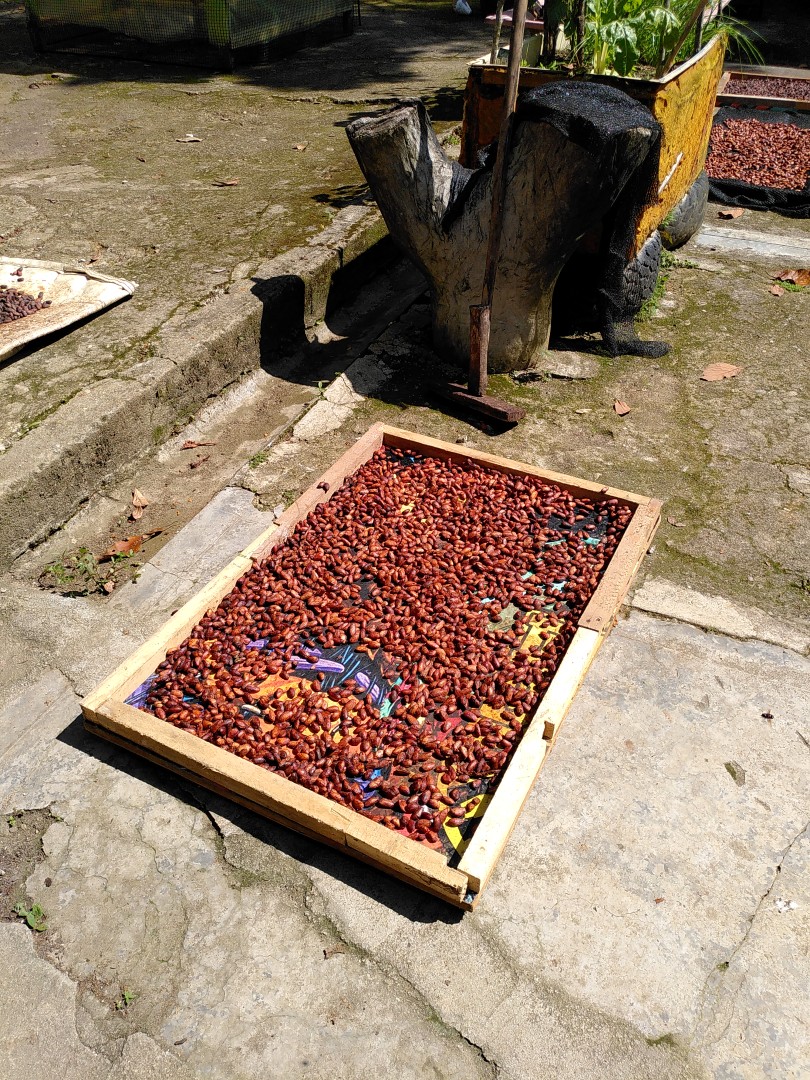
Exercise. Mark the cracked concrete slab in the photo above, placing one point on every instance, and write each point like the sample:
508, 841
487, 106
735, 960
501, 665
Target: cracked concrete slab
45, 1042
225, 971
226, 968
753, 1002
661, 597
142, 1059
600, 949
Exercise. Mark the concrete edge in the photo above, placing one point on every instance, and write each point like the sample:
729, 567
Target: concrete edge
47, 475
716, 614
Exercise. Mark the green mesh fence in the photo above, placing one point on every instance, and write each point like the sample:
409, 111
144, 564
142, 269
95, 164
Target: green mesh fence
158, 27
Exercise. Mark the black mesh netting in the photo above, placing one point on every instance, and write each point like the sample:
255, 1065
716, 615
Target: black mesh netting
158, 27
592, 115
786, 201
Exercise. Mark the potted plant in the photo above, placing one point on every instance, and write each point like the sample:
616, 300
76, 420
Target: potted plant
667, 54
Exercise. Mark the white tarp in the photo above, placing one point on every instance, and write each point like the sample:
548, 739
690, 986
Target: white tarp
75, 294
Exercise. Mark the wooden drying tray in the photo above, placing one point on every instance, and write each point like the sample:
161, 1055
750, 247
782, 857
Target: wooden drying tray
107, 714
725, 96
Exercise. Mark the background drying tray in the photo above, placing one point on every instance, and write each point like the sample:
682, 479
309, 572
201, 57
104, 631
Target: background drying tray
75, 294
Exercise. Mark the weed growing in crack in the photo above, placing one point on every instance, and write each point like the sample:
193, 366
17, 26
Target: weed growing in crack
258, 459
126, 999
80, 573
34, 916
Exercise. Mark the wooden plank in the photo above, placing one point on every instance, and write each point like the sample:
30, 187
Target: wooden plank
409, 440
484, 404
786, 104
293, 805
767, 70
466, 903
604, 605
514, 786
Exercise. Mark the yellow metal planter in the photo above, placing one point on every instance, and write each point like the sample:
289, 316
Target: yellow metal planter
682, 102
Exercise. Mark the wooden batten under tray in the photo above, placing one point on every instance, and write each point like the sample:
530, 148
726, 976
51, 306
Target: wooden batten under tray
107, 714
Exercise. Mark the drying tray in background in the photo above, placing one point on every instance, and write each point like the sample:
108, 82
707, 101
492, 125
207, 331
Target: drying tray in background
763, 80
790, 202
75, 294
456, 880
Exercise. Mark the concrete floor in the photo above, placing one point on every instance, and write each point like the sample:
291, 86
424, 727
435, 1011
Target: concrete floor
649, 917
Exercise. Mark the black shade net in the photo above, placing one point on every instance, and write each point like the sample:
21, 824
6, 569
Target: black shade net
592, 115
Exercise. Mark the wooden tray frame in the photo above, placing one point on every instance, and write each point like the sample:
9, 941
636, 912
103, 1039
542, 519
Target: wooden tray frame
107, 714
726, 97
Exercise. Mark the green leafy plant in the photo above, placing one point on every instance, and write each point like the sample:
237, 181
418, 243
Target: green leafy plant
34, 916
620, 37
126, 999
81, 573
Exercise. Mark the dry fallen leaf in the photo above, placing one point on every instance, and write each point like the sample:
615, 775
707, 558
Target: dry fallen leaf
300, 146
139, 503
139, 158
108, 587
659, 899
333, 950
128, 546
716, 372
777, 290
122, 547
188, 137
621, 407
192, 444
200, 461
732, 212
677, 524
227, 183
798, 277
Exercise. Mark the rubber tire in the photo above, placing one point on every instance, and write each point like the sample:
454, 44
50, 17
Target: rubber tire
641, 275
684, 220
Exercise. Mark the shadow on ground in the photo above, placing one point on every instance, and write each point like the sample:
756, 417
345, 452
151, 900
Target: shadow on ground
324, 60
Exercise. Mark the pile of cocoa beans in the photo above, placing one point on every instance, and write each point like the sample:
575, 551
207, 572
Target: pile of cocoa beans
771, 155
794, 89
15, 304
457, 586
